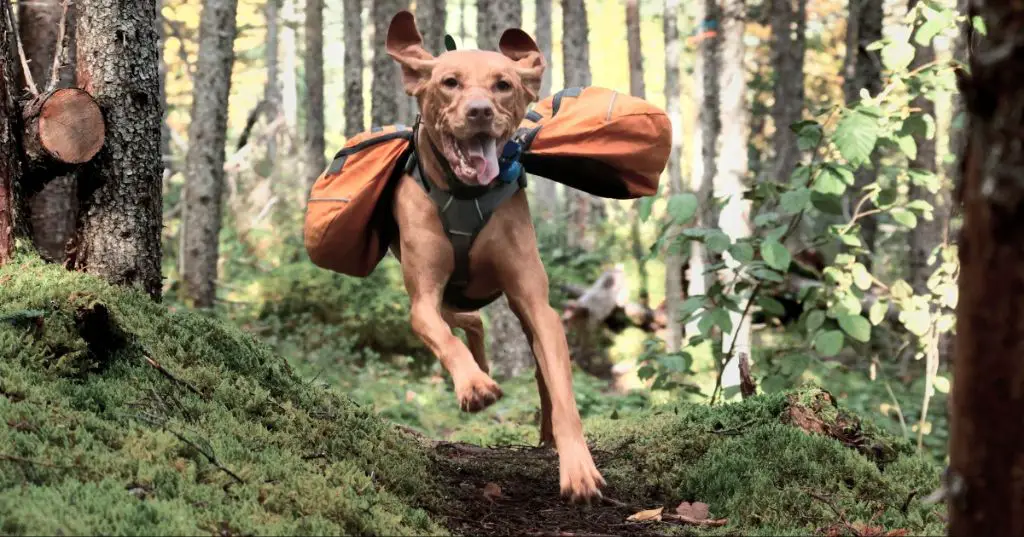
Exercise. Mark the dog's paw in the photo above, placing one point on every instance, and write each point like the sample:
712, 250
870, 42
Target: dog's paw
580, 480
477, 392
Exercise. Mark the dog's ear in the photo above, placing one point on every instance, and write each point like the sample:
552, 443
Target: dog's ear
405, 44
521, 48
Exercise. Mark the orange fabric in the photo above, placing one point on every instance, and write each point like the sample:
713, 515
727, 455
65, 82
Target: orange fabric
348, 218
601, 141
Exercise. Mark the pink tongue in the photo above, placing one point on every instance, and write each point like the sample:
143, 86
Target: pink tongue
484, 158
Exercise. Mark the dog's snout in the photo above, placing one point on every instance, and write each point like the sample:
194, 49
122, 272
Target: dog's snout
479, 110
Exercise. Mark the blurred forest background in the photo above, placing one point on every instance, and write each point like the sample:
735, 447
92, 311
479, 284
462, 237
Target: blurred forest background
802, 234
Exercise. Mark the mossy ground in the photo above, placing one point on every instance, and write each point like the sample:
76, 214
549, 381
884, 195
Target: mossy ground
121, 416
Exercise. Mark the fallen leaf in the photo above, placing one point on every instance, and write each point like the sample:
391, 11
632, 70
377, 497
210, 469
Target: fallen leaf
409, 396
695, 510
492, 491
714, 523
649, 514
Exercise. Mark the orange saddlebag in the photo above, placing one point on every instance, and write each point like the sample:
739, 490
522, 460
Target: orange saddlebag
597, 140
349, 225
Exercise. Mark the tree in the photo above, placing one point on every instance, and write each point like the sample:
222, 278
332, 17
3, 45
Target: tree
289, 70
204, 166
862, 70
314, 71
705, 141
354, 114
493, 17
386, 83
272, 91
730, 180
674, 258
789, 25
53, 208
119, 191
432, 18
546, 190
584, 209
10, 146
985, 433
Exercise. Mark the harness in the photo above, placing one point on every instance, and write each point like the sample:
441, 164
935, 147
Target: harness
465, 211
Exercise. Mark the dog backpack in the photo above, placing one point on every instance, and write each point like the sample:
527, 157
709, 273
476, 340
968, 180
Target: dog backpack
597, 140
349, 225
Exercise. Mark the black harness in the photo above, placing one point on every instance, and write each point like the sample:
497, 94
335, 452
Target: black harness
465, 211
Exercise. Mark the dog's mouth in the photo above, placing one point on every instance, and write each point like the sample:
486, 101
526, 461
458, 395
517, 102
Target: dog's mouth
473, 160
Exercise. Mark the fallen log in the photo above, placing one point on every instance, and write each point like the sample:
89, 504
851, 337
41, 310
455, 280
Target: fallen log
63, 128
606, 302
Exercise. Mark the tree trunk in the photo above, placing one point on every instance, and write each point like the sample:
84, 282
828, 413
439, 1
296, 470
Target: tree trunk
53, 209
354, 114
119, 191
432, 16
986, 443
788, 58
385, 71
204, 167
730, 181
674, 259
705, 144
493, 17
10, 146
289, 68
638, 89
314, 71
546, 190
272, 91
585, 209
462, 23
863, 70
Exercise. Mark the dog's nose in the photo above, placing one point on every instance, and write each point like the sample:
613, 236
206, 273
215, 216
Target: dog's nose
479, 110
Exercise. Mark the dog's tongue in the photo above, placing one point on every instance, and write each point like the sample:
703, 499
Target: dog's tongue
483, 156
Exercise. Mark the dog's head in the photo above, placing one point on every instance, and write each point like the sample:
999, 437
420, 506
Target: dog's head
471, 101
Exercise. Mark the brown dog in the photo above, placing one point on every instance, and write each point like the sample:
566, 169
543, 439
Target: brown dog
471, 103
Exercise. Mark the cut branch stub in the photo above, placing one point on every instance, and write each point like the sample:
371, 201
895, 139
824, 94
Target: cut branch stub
64, 127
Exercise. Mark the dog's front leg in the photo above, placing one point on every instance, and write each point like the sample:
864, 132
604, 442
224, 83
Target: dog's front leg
528, 296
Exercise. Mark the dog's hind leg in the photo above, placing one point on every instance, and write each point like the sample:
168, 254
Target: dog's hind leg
473, 325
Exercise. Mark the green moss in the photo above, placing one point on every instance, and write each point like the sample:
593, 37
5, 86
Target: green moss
126, 418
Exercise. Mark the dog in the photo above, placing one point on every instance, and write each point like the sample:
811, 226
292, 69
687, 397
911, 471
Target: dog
471, 103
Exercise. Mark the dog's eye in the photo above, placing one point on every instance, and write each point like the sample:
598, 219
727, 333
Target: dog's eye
502, 85
450, 82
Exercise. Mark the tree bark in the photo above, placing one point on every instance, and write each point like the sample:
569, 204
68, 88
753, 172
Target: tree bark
730, 181
289, 68
314, 71
789, 24
10, 146
493, 17
986, 440
546, 190
119, 191
272, 91
863, 70
354, 114
705, 143
204, 166
433, 18
674, 258
53, 209
384, 107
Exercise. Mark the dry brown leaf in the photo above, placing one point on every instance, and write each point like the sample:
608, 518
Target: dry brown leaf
409, 396
492, 491
714, 523
695, 510
649, 514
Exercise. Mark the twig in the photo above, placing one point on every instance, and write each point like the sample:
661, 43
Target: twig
714, 523
209, 455
832, 506
31, 84
173, 378
60, 47
899, 411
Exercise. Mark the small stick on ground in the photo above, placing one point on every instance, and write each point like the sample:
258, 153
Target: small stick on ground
173, 378
713, 523
209, 455
832, 506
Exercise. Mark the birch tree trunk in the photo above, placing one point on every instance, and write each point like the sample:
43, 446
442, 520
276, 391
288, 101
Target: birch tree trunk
272, 91
314, 72
53, 209
120, 200
730, 180
289, 68
674, 258
789, 25
986, 440
204, 166
354, 110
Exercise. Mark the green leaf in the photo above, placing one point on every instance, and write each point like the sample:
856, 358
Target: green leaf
771, 306
829, 342
690, 305
795, 200
682, 207
676, 362
856, 136
776, 255
717, 241
644, 207
920, 206
722, 319
705, 324
827, 203
850, 240
915, 125
742, 252
907, 145
937, 21
916, 322
814, 321
897, 55
877, 312
808, 134
979, 24
941, 384
766, 218
901, 290
794, 364
856, 327
766, 274
829, 182
906, 218
861, 276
